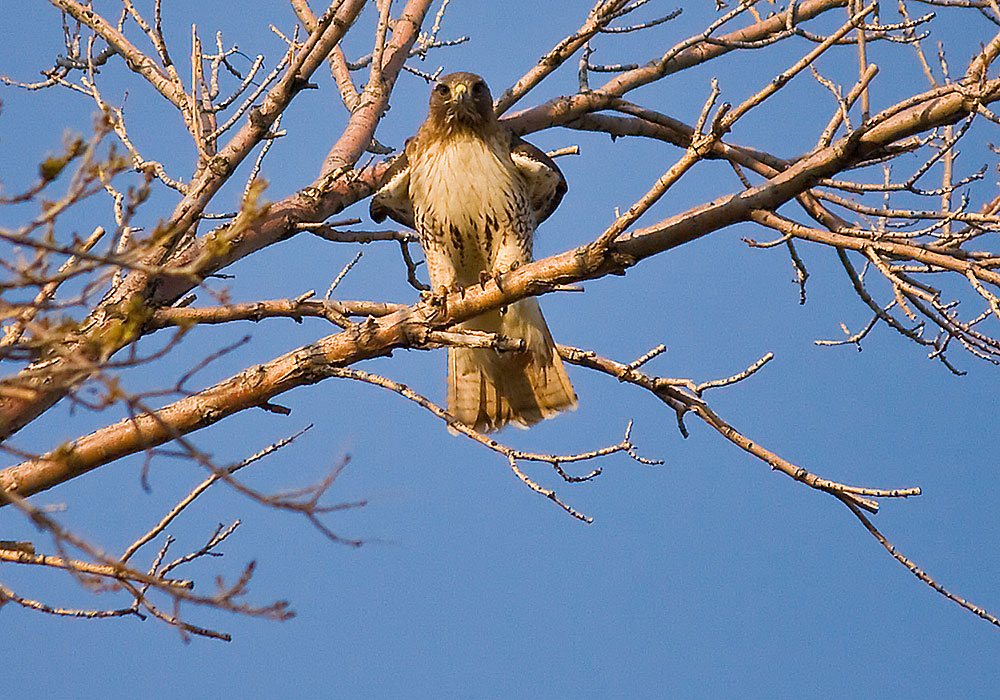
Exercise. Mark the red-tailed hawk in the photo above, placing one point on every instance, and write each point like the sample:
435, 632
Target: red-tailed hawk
475, 192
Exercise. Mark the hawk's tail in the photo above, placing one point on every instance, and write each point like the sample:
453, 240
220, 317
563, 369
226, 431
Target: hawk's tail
487, 389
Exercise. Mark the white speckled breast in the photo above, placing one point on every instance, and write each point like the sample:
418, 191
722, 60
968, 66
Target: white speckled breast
471, 204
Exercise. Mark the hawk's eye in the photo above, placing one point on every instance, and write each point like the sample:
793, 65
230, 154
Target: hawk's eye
479, 88
442, 89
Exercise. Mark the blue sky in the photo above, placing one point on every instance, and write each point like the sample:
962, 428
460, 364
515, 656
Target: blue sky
709, 576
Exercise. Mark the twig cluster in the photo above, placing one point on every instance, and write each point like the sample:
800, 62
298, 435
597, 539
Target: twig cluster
75, 308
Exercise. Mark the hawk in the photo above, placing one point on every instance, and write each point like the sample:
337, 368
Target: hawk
474, 192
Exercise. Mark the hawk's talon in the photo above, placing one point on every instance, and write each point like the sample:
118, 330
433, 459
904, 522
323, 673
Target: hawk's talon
484, 277
436, 298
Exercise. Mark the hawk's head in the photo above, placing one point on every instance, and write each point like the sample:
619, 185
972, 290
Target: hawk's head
461, 100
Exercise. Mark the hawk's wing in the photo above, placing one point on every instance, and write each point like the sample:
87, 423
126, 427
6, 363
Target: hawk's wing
393, 198
546, 184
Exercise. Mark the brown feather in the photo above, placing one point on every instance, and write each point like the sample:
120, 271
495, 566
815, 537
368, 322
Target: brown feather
393, 199
475, 192
487, 389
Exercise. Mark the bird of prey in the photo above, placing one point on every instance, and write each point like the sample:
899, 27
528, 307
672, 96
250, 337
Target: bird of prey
474, 192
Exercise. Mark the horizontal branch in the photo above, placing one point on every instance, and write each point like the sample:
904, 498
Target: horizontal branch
83, 567
257, 310
903, 251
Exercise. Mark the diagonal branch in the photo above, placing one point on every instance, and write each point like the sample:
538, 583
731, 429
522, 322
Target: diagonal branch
600, 16
135, 59
855, 498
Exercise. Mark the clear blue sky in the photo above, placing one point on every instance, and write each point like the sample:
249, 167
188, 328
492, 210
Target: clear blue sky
706, 577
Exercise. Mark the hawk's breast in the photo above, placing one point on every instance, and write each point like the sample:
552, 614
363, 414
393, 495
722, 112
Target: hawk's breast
470, 203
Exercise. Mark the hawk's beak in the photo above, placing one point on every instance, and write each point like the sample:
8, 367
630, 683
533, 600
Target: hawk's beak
460, 93
461, 104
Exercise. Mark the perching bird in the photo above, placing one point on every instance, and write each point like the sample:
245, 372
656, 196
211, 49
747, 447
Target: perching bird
475, 192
